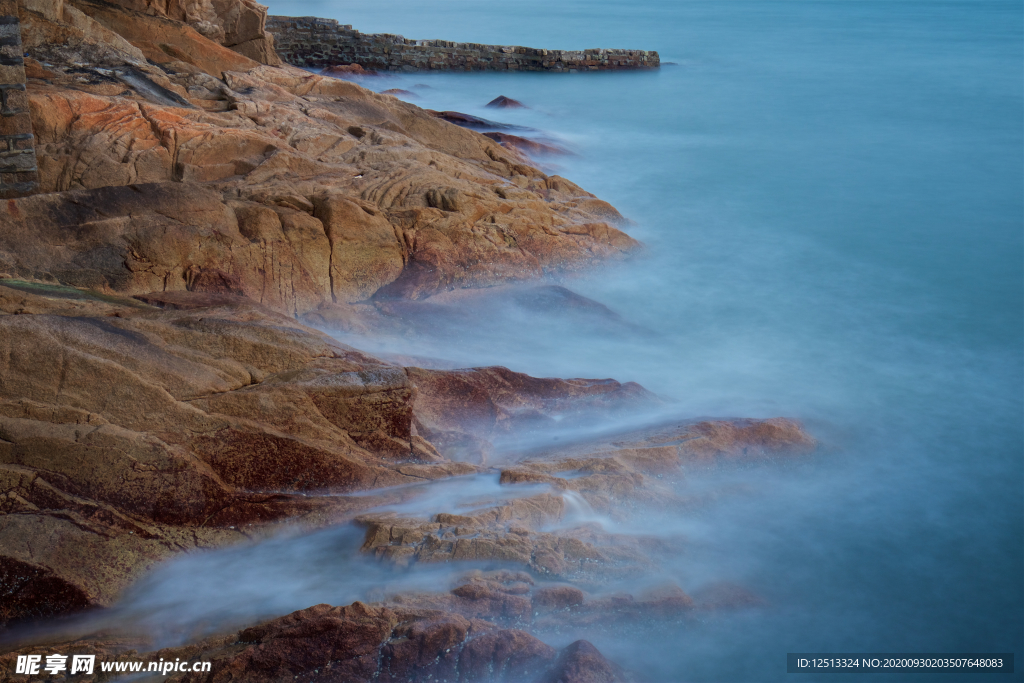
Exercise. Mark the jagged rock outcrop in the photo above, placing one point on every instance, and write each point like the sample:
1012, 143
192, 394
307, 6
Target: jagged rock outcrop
302, 190
609, 477
235, 24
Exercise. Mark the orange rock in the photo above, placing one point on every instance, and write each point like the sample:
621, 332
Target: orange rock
754, 439
348, 226
236, 24
166, 38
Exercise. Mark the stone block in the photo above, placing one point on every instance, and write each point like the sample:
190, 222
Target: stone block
10, 73
13, 99
16, 124
19, 163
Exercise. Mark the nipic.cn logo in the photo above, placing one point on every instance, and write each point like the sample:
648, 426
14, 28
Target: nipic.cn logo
55, 664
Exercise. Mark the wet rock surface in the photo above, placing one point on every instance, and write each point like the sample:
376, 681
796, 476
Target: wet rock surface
361, 642
133, 432
137, 429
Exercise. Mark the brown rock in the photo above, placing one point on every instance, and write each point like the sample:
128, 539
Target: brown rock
237, 24
346, 70
389, 225
557, 598
488, 602
165, 38
470, 121
321, 643
357, 643
667, 601
526, 146
366, 254
487, 402
433, 646
581, 662
146, 238
502, 102
129, 433
753, 439
511, 655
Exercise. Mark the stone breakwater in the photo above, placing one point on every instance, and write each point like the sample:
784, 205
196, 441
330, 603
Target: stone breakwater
314, 43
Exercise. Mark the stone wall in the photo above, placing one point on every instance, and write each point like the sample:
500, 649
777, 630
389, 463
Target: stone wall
18, 173
315, 43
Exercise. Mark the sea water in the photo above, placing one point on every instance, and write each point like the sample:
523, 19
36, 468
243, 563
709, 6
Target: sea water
830, 196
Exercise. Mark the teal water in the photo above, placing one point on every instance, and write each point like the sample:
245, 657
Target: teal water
831, 197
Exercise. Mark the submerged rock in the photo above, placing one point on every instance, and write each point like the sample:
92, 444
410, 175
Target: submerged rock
526, 146
581, 662
502, 102
474, 122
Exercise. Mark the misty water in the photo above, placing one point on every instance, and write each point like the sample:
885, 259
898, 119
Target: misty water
830, 195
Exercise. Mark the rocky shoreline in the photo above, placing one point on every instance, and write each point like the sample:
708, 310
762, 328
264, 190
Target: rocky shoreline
203, 216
